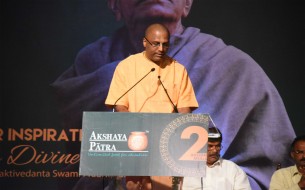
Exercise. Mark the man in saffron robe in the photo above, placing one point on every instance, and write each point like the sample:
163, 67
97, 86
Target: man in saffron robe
149, 93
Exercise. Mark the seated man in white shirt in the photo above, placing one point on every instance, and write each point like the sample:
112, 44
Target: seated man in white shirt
220, 173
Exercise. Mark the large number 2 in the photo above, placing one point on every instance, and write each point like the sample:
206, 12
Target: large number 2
193, 152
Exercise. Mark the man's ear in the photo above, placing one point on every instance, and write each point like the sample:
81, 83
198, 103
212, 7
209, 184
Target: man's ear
291, 155
113, 5
187, 8
144, 42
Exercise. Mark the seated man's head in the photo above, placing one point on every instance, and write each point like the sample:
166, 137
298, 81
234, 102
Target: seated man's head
214, 145
297, 152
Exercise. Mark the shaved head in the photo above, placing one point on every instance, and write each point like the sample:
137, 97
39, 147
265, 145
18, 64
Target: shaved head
156, 27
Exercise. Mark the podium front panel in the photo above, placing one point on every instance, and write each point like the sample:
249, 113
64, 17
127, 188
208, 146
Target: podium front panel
143, 144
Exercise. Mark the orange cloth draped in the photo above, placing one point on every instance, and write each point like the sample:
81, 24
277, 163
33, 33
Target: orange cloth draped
148, 95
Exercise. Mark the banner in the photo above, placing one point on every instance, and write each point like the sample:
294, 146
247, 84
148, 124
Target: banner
40, 134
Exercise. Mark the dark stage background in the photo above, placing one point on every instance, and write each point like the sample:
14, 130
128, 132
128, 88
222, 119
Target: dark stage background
40, 39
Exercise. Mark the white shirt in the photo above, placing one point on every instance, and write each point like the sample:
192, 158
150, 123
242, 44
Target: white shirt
222, 175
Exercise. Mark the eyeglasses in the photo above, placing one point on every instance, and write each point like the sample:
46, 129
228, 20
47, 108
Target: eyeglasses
157, 44
216, 147
299, 152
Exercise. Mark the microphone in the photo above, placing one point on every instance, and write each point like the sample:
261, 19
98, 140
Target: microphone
152, 70
175, 107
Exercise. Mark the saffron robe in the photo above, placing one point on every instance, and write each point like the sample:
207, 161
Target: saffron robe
145, 91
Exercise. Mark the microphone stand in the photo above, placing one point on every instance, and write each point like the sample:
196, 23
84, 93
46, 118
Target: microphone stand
175, 180
175, 107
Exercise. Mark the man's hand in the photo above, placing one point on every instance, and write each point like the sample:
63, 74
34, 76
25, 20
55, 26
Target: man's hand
120, 108
184, 110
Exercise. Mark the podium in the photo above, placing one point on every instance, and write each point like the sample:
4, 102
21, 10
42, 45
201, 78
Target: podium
144, 144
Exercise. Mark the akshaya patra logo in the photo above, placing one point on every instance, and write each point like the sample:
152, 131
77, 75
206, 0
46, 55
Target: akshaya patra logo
118, 144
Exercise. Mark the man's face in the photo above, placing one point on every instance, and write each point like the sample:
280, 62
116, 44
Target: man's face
156, 45
213, 152
133, 11
298, 155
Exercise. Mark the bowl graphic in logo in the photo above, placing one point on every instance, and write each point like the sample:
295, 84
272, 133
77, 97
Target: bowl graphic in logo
137, 141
